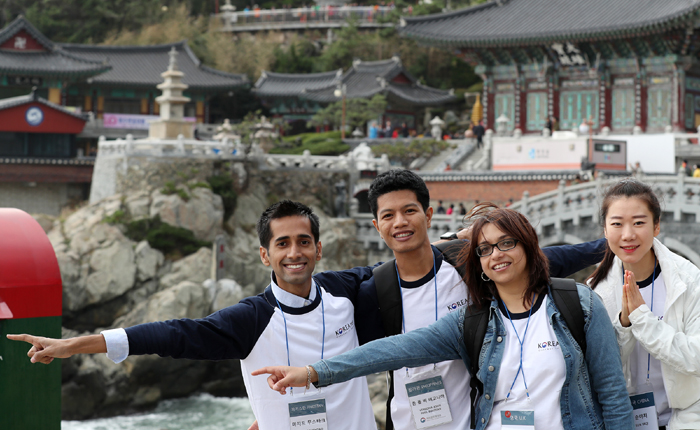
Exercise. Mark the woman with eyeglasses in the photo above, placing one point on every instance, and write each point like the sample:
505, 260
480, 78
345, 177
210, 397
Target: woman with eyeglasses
653, 299
534, 373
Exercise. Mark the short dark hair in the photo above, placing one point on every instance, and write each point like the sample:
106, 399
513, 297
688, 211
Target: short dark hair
398, 180
284, 209
515, 225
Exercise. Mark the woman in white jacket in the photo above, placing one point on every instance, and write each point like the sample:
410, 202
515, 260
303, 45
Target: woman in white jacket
653, 299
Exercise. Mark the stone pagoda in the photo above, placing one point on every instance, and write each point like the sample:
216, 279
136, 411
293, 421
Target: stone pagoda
172, 103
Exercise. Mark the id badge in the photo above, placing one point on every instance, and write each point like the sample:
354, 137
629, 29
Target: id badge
428, 401
644, 410
517, 420
308, 415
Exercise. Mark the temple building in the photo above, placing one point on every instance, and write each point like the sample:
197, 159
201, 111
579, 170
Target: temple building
628, 65
41, 166
116, 83
297, 97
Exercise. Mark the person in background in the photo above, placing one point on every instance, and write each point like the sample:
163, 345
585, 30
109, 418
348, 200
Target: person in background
450, 210
636, 170
696, 171
479, 132
373, 132
404, 130
440, 208
388, 129
653, 300
462, 209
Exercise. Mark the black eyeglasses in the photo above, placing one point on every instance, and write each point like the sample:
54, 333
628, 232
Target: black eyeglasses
503, 245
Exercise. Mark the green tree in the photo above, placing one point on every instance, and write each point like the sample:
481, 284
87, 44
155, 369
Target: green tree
357, 112
299, 58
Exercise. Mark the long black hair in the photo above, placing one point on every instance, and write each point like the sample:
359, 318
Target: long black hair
626, 188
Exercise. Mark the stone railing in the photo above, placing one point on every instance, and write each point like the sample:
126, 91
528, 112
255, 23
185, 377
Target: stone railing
315, 16
678, 194
367, 234
162, 147
324, 162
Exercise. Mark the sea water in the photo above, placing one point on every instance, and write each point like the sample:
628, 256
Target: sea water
199, 412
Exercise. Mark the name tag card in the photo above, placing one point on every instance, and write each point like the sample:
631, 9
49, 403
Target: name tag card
428, 402
644, 410
517, 420
309, 415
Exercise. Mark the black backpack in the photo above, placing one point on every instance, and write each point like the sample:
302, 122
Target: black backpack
564, 293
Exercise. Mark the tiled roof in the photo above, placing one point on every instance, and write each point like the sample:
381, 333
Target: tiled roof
512, 22
363, 80
292, 84
142, 66
21, 23
54, 61
30, 98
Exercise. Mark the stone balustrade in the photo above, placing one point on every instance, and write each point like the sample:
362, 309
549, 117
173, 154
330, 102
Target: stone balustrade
679, 196
180, 147
314, 16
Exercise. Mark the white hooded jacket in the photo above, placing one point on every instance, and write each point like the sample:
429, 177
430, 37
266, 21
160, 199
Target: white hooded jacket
674, 341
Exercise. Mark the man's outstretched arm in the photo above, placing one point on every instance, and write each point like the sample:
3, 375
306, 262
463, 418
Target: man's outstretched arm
45, 349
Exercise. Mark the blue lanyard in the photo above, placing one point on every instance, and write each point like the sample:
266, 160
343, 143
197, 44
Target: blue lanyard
403, 314
520, 369
651, 307
286, 337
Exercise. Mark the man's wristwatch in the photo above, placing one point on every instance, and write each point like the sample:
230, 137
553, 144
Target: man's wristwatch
450, 235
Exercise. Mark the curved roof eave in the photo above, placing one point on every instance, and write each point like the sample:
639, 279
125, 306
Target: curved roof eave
680, 19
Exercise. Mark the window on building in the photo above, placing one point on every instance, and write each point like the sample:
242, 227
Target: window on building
127, 106
49, 145
623, 108
576, 107
75, 101
505, 105
658, 107
536, 111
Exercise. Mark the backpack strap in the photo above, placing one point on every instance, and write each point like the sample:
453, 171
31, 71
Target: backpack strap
476, 322
565, 295
450, 253
389, 297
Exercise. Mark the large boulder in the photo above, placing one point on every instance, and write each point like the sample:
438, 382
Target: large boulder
194, 268
202, 213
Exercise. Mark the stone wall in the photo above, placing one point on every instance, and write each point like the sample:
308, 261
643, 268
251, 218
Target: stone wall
40, 197
497, 192
120, 174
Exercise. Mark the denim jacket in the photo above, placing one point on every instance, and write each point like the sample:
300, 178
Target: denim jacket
593, 396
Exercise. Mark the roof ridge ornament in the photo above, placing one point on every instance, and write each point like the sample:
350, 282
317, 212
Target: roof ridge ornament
356, 62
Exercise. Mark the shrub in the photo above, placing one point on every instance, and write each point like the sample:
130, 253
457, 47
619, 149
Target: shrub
116, 218
327, 143
164, 237
223, 186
